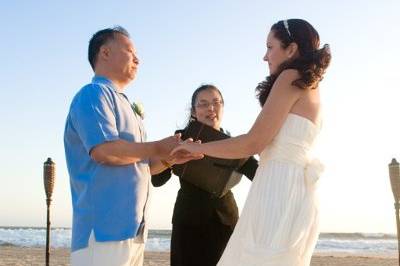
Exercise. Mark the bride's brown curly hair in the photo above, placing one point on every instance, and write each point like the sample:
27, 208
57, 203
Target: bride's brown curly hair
311, 63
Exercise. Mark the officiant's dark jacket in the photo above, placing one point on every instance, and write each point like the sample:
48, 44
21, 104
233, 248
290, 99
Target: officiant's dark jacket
195, 206
202, 222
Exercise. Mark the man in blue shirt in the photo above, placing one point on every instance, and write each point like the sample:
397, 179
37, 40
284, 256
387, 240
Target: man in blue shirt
109, 161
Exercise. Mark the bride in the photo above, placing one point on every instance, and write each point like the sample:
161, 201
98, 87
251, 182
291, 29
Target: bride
279, 222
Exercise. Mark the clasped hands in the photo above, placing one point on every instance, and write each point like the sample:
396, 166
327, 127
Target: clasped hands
174, 150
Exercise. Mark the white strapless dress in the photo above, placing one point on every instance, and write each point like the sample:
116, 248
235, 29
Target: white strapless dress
278, 225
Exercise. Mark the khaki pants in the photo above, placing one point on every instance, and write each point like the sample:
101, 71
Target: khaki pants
129, 252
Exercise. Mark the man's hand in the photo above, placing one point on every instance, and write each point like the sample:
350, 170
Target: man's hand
188, 148
166, 145
157, 165
182, 157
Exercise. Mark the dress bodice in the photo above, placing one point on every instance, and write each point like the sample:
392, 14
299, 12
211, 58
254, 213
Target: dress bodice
293, 141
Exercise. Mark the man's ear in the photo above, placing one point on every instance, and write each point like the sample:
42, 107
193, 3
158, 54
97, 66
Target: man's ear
104, 52
292, 50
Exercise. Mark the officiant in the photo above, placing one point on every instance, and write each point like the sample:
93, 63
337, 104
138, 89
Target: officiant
203, 219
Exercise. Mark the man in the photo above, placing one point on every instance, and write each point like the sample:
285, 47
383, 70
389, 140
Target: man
108, 160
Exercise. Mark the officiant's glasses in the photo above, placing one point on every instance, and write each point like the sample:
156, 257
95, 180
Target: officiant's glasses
205, 105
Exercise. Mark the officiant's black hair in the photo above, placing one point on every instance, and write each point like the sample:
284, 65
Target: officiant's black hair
203, 87
312, 62
100, 38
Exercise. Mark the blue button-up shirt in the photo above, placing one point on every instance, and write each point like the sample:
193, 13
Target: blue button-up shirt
110, 200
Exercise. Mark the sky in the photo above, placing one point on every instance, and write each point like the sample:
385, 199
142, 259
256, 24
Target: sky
181, 45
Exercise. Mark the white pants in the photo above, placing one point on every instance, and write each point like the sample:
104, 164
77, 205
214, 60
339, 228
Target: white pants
129, 252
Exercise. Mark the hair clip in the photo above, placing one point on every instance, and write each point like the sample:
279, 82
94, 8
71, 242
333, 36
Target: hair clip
286, 24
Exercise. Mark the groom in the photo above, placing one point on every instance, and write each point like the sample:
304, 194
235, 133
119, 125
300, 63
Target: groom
109, 162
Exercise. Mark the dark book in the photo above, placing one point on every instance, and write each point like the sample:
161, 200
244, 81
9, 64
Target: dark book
214, 175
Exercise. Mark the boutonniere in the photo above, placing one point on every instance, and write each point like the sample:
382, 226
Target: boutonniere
138, 109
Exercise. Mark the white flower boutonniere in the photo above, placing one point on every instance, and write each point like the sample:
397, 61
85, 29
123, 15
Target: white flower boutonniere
138, 109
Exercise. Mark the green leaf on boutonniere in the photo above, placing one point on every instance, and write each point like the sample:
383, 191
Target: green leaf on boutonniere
138, 109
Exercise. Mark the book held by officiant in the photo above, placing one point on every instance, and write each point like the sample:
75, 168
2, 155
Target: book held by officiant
214, 175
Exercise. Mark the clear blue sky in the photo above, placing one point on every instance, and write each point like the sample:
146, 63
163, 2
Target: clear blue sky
182, 44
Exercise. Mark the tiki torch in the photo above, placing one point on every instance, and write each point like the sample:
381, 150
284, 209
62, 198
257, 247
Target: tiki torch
48, 178
394, 173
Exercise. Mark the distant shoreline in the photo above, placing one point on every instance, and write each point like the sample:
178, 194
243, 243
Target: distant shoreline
336, 234
32, 227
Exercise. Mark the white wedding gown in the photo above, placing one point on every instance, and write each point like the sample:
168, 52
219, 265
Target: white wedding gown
279, 222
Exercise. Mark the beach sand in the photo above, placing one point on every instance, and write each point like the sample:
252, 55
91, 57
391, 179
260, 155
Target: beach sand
18, 256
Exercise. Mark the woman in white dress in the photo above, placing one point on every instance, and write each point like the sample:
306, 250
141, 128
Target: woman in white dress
279, 222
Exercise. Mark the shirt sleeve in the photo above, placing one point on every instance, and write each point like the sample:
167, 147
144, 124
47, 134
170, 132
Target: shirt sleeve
249, 168
93, 116
160, 179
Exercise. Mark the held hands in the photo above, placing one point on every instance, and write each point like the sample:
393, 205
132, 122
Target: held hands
183, 156
169, 144
188, 148
165, 146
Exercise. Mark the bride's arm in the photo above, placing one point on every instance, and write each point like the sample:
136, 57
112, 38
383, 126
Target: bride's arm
273, 114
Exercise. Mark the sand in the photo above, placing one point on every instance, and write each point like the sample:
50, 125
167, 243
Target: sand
19, 256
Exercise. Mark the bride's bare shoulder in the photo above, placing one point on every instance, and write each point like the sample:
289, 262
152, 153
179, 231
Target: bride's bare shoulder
289, 75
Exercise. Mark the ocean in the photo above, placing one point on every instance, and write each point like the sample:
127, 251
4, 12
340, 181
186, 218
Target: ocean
159, 240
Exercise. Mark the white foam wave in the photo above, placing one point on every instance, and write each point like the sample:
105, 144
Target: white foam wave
159, 240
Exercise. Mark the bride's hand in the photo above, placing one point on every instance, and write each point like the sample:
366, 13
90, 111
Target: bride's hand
188, 148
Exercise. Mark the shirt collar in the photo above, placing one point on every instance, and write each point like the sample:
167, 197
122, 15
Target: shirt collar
105, 81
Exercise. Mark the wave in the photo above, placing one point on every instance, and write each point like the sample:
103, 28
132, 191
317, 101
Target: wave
167, 232
159, 240
357, 236
7, 244
33, 228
